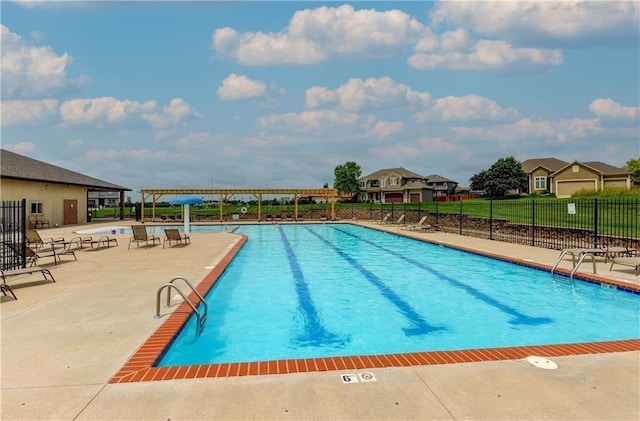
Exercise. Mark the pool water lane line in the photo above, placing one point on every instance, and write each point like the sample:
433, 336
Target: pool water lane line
518, 318
314, 333
418, 325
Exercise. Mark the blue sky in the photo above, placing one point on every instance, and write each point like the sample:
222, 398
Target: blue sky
276, 94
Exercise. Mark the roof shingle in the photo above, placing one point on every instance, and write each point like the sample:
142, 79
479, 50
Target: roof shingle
13, 165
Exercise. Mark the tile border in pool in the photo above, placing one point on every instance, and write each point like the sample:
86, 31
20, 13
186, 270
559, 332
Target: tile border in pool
140, 367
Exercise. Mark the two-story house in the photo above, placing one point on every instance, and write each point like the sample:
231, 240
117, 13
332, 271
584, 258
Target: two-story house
395, 185
551, 175
441, 186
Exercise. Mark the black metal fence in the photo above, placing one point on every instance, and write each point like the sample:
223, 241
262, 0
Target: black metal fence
549, 223
13, 229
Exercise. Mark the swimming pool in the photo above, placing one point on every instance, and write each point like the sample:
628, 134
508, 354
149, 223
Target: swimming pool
310, 291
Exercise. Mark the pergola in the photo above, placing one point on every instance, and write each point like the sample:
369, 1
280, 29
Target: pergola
226, 194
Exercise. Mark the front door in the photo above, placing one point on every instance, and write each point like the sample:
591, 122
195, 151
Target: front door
70, 214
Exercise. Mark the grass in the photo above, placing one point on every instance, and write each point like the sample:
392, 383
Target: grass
616, 214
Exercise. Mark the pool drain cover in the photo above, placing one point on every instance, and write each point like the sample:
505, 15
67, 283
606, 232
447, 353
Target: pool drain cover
542, 362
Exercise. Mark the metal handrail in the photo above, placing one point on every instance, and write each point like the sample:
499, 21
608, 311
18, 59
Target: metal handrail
200, 317
593, 260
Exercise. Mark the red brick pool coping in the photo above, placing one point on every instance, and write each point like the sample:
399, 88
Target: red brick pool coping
140, 367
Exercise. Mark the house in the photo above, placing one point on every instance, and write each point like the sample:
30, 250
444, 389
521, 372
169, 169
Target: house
395, 185
551, 175
52, 193
100, 199
441, 186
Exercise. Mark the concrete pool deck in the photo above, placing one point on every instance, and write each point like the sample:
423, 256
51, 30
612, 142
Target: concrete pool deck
61, 343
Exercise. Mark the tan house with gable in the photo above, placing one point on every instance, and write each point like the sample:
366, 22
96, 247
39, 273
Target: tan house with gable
551, 175
395, 185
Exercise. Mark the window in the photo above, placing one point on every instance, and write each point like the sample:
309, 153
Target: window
576, 168
393, 181
540, 183
36, 208
383, 182
363, 184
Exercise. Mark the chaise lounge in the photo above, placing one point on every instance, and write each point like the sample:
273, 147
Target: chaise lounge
4, 274
140, 235
172, 234
633, 262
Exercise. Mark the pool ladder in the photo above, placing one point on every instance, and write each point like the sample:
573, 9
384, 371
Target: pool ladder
201, 317
581, 256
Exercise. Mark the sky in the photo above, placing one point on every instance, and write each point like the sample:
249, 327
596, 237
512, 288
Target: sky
206, 94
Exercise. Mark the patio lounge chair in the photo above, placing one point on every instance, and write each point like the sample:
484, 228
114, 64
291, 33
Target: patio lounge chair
421, 225
34, 239
103, 241
172, 234
385, 219
633, 262
35, 220
32, 255
140, 234
4, 274
400, 220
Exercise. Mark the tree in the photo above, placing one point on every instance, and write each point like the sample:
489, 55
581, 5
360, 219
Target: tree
633, 166
506, 174
477, 181
346, 177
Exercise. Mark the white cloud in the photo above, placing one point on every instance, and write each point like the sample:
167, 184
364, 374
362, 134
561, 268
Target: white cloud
396, 153
312, 121
527, 129
608, 108
314, 35
33, 71
193, 139
465, 108
87, 110
240, 87
358, 94
489, 55
448, 41
384, 129
134, 154
177, 110
27, 112
437, 145
21, 148
548, 22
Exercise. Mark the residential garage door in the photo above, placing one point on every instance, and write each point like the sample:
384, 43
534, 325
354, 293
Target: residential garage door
393, 197
415, 197
567, 188
615, 183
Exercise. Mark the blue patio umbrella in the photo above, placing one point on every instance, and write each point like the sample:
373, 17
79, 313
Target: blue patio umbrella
186, 201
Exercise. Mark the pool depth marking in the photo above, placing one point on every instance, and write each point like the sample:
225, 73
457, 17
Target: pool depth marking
314, 332
419, 325
519, 318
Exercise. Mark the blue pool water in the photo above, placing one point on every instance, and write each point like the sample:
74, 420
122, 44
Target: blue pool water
303, 291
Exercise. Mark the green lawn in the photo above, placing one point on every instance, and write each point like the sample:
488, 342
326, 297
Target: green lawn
616, 216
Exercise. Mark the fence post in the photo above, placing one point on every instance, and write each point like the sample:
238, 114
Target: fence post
23, 229
437, 215
595, 222
490, 219
461, 217
533, 222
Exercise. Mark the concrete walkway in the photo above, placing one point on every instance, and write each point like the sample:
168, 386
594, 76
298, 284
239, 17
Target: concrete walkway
62, 342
